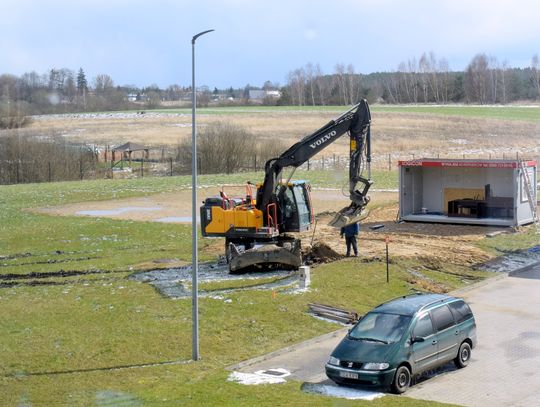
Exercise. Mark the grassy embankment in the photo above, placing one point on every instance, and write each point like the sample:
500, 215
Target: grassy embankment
65, 336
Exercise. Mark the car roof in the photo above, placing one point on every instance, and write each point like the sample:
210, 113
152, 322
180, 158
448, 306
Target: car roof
411, 304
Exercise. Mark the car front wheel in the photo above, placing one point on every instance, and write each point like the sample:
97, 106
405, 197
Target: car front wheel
402, 380
464, 355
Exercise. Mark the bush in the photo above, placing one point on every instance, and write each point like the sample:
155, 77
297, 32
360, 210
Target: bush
224, 147
30, 157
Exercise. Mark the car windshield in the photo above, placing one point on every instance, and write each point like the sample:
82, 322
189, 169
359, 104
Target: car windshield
378, 327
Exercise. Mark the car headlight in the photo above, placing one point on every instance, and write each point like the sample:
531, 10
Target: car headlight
375, 366
333, 361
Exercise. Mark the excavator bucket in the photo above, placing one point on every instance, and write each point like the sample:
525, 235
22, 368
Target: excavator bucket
266, 255
348, 215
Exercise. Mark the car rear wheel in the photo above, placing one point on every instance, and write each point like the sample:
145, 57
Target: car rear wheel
402, 380
464, 355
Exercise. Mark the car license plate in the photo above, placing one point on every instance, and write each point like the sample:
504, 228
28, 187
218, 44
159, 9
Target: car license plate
349, 375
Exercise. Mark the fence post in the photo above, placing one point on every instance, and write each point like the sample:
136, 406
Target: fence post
50, 173
322, 162
389, 162
18, 173
170, 162
308, 165
81, 173
142, 167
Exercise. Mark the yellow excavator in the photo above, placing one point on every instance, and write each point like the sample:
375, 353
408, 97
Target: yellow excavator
256, 228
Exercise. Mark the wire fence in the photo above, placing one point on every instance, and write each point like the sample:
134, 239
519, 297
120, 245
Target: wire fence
87, 165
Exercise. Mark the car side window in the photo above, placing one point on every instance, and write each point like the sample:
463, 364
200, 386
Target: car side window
461, 311
423, 327
442, 317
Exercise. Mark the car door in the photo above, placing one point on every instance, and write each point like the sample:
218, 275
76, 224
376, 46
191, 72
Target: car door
424, 344
447, 333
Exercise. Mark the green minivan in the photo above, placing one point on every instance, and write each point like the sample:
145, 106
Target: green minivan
402, 338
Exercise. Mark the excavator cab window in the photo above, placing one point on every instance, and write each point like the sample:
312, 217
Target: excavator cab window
294, 206
302, 203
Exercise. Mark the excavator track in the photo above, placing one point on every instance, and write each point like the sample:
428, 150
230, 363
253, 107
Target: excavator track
268, 255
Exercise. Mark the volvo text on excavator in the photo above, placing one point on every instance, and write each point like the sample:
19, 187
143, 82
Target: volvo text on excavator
256, 229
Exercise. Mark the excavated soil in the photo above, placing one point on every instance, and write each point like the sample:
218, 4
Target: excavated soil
432, 242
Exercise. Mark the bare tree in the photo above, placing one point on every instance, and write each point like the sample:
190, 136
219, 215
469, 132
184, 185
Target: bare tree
103, 84
477, 79
444, 81
504, 74
353, 85
535, 68
223, 148
310, 79
341, 83
423, 65
324, 85
297, 85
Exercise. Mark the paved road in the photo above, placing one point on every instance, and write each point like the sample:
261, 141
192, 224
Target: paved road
504, 370
504, 367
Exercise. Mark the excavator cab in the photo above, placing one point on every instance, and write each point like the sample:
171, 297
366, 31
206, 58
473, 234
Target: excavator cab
294, 206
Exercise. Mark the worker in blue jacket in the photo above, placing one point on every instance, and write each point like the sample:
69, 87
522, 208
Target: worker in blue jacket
350, 232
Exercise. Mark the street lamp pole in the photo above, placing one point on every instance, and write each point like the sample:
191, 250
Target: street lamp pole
194, 255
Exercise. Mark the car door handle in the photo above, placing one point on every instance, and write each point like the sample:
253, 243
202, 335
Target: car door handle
434, 343
457, 332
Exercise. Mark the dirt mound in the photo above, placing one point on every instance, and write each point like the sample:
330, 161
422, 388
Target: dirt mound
320, 253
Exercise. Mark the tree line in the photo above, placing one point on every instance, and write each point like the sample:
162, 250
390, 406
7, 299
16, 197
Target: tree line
427, 79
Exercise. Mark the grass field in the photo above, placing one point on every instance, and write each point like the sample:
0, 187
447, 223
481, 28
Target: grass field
403, 130
93, 337
529, 113
74, 330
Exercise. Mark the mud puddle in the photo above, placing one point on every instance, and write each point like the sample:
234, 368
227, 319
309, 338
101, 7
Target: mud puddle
176, 282
512, 262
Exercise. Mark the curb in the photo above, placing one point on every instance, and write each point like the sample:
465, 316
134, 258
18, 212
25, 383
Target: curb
524, 268
288, 349
482, 283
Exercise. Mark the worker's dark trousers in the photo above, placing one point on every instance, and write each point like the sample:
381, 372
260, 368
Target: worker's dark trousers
351, 241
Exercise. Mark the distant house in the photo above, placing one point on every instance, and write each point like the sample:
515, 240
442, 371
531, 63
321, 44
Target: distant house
257, 94
260, 95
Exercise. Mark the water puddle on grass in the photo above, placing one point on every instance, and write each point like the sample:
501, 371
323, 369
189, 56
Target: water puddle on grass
176, 282
118, 211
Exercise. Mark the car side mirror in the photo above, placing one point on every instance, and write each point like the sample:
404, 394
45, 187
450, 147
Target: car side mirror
417, 339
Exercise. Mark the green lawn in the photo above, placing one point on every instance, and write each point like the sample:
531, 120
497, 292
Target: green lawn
525, 113
71, 322
488, 112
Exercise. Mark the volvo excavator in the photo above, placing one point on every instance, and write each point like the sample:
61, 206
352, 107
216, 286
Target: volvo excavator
257, 228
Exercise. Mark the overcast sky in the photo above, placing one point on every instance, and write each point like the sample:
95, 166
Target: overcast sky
144, 42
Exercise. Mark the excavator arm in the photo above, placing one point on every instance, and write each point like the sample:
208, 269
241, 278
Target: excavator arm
356, 122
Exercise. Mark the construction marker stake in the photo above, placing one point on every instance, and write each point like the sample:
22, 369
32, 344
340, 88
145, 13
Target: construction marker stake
386, 241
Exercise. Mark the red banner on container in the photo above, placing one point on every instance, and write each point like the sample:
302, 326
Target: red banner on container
466, 164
